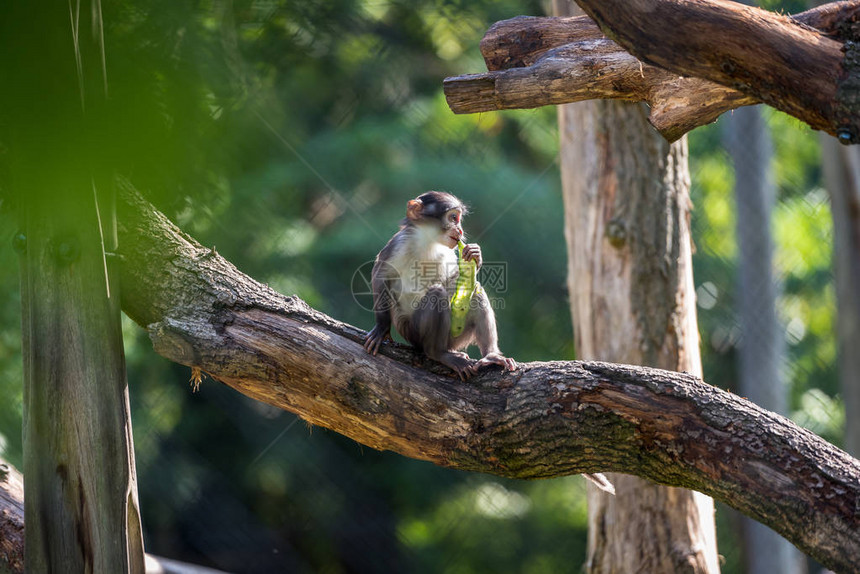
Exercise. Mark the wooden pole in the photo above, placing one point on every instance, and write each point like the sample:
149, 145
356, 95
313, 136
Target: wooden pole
81, 507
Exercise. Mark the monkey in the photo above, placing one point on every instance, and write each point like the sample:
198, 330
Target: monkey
412, 281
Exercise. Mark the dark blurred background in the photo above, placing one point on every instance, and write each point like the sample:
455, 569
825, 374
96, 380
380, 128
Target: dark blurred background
289, 135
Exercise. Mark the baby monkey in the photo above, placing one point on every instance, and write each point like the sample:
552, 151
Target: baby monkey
413, 279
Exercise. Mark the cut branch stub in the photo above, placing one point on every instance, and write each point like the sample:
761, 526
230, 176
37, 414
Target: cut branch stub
520, 41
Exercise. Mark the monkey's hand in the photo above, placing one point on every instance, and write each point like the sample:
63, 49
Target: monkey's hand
497, 359
472, 252
375, 338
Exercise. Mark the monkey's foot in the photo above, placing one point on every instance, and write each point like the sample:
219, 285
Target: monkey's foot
460, 363
375, 338
497, 359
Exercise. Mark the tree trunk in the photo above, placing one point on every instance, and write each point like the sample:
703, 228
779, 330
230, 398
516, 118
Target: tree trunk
841, 168
79, 473
81, 508
630, 278
632, 301
762, 348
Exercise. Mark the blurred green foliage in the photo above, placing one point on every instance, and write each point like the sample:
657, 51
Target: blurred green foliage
289, 136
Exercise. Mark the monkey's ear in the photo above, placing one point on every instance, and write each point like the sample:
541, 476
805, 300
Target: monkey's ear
413, 209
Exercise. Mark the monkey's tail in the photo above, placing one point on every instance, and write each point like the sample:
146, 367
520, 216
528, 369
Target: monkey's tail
601, 482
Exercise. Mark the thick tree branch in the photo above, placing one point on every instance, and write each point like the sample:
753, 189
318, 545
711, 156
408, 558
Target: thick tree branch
520, 41
767, 56
546, 61
544, 420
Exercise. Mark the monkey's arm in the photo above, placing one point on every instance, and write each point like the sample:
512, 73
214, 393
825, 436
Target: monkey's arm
383, 304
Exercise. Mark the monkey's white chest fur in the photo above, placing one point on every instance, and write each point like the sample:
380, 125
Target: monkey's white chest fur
425, 262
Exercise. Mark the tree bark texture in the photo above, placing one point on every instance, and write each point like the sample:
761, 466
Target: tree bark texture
630, 279
543, 61
841, 168
79, 474
761, 354
541, 421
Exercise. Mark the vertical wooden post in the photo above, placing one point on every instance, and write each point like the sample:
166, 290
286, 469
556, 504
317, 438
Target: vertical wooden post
761, 354
81, 499
841, 166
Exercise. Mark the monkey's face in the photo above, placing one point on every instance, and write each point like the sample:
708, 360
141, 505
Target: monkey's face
452, 229
439, 214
